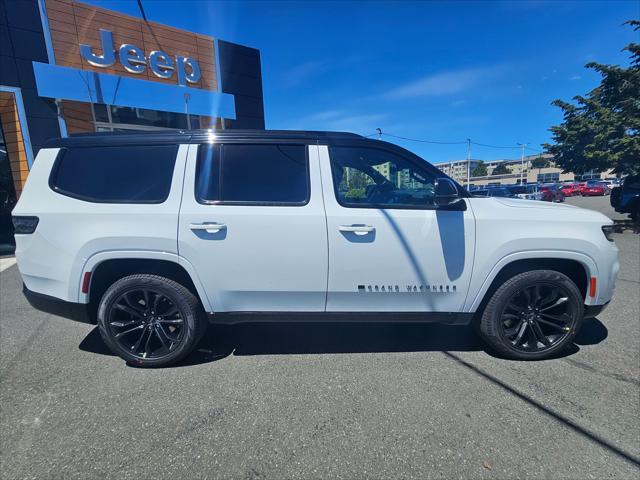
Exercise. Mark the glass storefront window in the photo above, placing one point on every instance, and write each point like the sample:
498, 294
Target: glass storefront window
117, 118
548, 177
100, 112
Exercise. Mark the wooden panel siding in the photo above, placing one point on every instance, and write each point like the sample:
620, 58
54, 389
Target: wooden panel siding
78, 117
14, 141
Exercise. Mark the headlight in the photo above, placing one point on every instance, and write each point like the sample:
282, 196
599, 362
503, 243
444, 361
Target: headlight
608, 231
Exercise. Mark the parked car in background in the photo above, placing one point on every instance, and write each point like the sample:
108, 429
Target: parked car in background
570, 189
551, 193
581, 186
626, 197
493, 192
608, 186
526, 192
593, 188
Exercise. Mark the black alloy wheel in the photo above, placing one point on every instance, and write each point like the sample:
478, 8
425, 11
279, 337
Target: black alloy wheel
146, 323
150, 321
533, 315
537, 317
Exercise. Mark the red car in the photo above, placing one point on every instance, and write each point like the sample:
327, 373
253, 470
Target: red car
551, 193
570, 189
593, 189
581, 186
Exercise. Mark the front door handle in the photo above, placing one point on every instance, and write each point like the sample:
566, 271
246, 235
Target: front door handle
357, 229
209, 227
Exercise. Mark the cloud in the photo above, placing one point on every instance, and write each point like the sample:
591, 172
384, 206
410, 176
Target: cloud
340, 120
326, 115
366, 123
575, 77
445, 83
299, 73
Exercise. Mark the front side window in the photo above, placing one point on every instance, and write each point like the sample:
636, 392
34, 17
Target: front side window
371, 177
118, 174
269, 174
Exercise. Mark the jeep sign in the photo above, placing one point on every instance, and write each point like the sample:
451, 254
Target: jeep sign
133, 60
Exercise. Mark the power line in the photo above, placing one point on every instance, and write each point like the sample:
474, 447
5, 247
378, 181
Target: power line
436, 142
419, 140
495, 146
468, 142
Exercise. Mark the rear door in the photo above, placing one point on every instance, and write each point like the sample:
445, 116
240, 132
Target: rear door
252, 223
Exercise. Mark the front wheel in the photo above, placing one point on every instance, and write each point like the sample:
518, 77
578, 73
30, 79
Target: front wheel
150, 321
533, 315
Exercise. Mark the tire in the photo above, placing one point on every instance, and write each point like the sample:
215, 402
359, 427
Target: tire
501, 323
150, 321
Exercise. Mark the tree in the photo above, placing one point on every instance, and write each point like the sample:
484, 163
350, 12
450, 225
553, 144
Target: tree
480, 170
601, 130
539, 163
501, 169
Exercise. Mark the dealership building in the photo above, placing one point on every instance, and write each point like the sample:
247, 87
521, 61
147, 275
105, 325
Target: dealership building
68, 67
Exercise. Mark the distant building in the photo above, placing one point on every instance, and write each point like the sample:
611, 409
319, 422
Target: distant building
457, 169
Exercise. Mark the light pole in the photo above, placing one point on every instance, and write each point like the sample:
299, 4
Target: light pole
523, 145
468, 162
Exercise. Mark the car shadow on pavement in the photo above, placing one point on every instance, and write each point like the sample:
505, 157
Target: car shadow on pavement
295, 338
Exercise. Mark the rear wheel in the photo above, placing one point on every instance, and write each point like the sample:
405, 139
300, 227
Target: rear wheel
150, 321
533, 315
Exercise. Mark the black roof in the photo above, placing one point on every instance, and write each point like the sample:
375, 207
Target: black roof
197, 136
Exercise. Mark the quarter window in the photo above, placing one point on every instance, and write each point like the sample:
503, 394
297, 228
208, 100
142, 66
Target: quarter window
253, 174
119, 174
369, 177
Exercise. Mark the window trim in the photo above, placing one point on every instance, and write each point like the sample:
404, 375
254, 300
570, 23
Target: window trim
379, 206
202, 201
60, 156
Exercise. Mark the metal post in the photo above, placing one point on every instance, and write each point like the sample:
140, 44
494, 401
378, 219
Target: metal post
468, 161
186, 110
522, 145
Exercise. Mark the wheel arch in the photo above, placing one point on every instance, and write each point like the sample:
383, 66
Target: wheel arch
108, 267
579, 268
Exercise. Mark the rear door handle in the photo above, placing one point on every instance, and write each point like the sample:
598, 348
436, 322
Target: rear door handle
357, 229
209, 227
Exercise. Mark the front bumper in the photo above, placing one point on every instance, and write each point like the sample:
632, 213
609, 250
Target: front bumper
591, 311
78, 312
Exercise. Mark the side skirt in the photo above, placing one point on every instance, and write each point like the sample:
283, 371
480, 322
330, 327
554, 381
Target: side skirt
448, 318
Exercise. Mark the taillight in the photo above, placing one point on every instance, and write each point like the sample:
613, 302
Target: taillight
25, 225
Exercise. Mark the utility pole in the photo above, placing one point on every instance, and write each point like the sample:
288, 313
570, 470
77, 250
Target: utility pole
523, 145
468, 162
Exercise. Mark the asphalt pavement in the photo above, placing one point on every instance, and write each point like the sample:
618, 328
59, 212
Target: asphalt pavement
322, 400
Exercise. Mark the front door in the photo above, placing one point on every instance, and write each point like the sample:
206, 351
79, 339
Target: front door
252, 223
390, 249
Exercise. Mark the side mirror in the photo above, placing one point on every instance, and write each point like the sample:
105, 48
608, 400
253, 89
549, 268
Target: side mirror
446, 192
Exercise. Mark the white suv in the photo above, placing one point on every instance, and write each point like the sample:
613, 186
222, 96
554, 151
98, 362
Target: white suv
156, 234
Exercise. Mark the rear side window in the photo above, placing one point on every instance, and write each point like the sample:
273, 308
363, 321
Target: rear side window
253, 174
119, 174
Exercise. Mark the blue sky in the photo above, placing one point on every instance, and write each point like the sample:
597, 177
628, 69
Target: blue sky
443, 71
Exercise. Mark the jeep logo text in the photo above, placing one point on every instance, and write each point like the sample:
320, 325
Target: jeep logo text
133, 60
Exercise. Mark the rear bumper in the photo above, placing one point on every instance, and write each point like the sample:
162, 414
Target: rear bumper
78, 312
